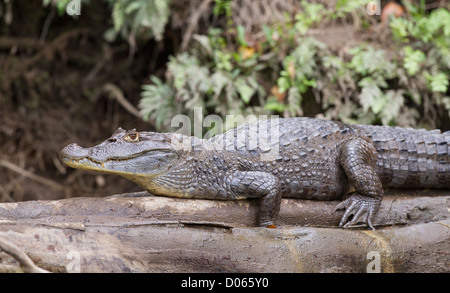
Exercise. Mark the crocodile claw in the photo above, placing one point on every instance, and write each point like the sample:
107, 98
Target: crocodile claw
362, 208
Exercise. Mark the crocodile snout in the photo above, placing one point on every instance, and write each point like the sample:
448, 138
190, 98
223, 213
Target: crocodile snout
74, 151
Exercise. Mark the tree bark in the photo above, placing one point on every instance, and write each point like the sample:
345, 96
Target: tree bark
135, 233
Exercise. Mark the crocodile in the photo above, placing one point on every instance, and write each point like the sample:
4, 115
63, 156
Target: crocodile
303, 158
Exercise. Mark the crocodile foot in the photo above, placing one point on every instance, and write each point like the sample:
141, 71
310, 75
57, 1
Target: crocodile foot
362, 208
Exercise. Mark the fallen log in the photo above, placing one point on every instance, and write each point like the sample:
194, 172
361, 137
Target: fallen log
136, 233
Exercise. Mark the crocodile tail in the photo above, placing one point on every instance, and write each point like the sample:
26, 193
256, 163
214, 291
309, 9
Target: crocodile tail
411, 158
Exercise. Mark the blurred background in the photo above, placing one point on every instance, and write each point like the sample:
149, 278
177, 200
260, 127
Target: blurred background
74, 71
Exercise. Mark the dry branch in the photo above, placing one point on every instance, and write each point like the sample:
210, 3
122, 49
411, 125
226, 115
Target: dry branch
48, 182
116, 93
26, 264
158, 234
193, 23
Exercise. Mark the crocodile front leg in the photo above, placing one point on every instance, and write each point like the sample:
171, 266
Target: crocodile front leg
358, 159
263, 185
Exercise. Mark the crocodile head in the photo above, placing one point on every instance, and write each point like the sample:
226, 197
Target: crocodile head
131, 154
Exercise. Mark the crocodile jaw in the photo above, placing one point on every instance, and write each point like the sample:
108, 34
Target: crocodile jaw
87, 163
144, 163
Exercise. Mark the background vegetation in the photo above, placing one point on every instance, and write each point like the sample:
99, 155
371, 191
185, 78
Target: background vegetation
397, 76
136, 64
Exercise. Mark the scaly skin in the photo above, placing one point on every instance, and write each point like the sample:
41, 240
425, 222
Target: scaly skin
301, 158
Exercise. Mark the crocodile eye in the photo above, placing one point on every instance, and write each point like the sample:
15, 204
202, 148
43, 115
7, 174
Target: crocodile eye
132, 137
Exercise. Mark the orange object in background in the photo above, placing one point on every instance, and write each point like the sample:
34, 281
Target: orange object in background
275, 91
246, 52
391, 8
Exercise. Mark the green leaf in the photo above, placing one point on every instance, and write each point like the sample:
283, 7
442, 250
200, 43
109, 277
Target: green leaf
241, 36
283, 82
274, 105
294, 101
110, 34
133, 6
118, 15
219, 82
204, 41
378, 104
268, 32
312, 13
346, 6
157, 101
310, 83
370, 94
394, 102
413, 59
367, 60
437, 82
222, 7
245, 91
400, 27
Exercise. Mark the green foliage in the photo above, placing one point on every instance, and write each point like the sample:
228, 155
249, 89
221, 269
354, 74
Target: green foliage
62, 4
367, 60
413, 60
157, 98
312, 14
385, 105
298, 75
281, 68
143, 19
437, 82
220, 80
344, 7
222, 7
225, 73
426, 28
429, 64
374, 71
